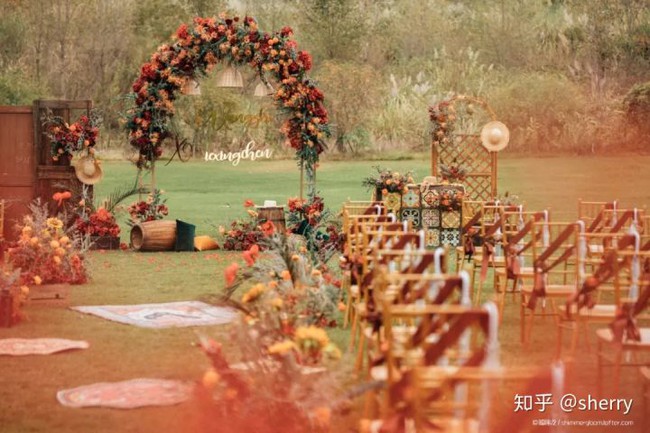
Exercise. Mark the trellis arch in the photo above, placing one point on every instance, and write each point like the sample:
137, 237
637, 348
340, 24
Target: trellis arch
196, 51
455, 133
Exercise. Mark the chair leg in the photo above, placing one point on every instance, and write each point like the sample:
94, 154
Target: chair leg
358, 364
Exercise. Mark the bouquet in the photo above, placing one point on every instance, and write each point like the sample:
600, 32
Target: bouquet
67, 139
45, 251
152, 209
453, 173
388, 181
99, 223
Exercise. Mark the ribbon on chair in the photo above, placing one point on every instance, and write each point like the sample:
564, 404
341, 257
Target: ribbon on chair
624, 326
607, 269
489, 244
541, 268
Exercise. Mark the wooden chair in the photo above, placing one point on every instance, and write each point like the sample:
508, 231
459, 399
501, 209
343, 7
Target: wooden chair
600, 294
518, 238
557, 272
472, 213
621, 344
592, 213
492, 250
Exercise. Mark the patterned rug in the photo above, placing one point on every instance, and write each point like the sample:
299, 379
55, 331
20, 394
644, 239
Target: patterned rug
38, 346
167, 315
128, 394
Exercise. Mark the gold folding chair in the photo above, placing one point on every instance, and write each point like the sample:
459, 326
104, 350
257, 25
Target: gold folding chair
557, 272
518, 237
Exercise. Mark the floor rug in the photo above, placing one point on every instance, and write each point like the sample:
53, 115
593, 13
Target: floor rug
38, 346
171, 314
128, 394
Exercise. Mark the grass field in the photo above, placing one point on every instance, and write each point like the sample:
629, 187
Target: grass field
209, 194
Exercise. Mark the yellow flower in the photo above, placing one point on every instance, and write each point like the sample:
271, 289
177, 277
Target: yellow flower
55, 244
27, 230
34, 241
255, 292
307, 334
24, 290
295, 257
282, 347
46, 234
277, 303
59, 252
37, 280
252, 213
54, 223
57, 260
64, 240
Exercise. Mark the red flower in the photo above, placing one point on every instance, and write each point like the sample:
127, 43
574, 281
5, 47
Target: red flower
305, 58
248, 258
249, 203
286, 31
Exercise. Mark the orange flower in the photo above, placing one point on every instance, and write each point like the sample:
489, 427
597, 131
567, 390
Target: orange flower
249, 203
61, 196
231, 273
248, 258
255, 251
267, 228
286, 275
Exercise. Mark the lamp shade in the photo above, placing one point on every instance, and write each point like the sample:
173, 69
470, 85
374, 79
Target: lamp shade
230, 77
191, 87
263, 89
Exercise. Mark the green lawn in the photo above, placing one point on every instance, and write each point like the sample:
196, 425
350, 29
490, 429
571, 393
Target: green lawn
211, 194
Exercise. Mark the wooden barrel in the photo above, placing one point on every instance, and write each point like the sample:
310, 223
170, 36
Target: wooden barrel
154, 236
275, 214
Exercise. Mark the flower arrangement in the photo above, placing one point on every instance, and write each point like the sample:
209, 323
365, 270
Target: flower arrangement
45, 252
387, 181
280, 339
242, 234
151, 209
67, 139
443, 119
99, 223
12, 297
452, 173
311, 219
197, 49
448, 200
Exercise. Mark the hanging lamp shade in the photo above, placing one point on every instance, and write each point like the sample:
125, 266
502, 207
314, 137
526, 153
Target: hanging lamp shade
191, 87
230, 77
263, 89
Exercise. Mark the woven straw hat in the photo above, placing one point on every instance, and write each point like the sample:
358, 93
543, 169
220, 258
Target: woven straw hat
495, 136
88, 170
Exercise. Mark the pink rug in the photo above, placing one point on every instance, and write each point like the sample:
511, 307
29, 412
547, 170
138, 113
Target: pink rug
38, 346
128, 394
166, 315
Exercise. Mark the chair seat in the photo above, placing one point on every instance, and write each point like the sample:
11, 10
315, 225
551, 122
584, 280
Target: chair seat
554, 290
605, 334
597, 312
497, 261
526, 271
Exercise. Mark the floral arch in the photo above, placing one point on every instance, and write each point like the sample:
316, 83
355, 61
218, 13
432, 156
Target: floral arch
196, 51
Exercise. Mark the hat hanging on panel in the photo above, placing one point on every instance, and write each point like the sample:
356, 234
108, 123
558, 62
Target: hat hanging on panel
495, 136
88, 170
